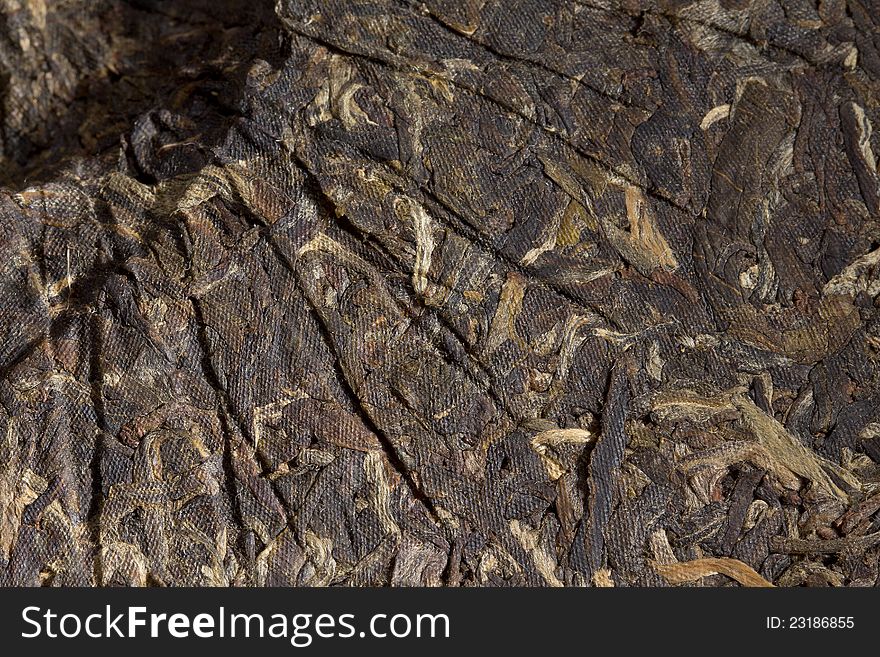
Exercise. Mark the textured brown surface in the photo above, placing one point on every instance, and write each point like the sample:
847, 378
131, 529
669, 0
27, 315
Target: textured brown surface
445, 293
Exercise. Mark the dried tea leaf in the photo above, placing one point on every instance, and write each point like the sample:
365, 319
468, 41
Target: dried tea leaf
785, 448
482, 293
545, 444
689, 571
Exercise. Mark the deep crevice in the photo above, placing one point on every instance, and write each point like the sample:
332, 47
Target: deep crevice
364, 416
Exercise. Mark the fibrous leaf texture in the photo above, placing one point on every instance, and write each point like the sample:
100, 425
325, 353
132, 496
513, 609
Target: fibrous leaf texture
439, 292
